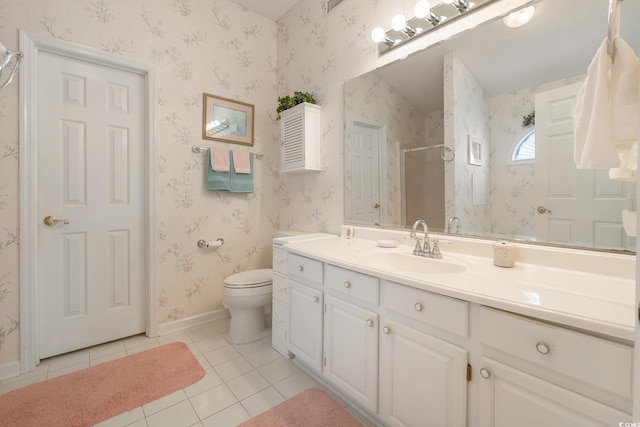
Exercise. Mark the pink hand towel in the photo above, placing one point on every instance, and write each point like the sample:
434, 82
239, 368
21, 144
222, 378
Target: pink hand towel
241, 162
219, 159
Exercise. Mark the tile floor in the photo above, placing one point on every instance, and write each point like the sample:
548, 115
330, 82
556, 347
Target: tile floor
241, 381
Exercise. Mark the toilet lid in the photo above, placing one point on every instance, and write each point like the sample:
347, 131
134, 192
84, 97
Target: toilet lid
250, 278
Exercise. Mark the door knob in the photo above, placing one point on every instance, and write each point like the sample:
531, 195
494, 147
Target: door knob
377, 205
542, 210
51, 220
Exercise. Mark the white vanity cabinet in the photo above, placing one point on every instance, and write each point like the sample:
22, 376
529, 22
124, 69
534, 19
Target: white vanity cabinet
304, 288
556, 376
280, 307
510, 397
417, 358
351, 334
423, 379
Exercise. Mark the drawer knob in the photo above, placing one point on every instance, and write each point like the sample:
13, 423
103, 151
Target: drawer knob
300, 268
485, 373
386, 330
542, 348
347, 284
315, 299
369, 322
417, 306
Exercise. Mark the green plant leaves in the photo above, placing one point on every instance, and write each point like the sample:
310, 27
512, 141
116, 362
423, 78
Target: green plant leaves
286, 102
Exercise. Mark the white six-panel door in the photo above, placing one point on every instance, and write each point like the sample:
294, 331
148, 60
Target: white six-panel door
576, 207
91, 174
365, 191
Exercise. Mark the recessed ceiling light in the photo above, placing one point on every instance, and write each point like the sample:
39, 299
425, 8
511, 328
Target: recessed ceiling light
519, 17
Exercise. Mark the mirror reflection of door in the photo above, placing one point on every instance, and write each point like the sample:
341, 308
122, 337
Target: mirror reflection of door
582, 207
366, 140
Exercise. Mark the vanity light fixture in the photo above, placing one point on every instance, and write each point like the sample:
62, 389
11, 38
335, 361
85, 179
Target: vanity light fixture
461, 5
519, 17
399, 23
422, 9
404, 29
379, 36
434, 19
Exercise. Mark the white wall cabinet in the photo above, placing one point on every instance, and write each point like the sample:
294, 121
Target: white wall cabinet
300, 139
351, 350
509, 397
422, 379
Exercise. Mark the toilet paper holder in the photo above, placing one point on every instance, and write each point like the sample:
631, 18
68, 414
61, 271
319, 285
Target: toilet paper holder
204, 244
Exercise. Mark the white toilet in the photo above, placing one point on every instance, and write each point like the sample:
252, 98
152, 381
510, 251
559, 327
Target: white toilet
246, 294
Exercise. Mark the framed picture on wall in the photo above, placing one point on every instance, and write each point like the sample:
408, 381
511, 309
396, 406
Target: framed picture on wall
227, 120
475, 150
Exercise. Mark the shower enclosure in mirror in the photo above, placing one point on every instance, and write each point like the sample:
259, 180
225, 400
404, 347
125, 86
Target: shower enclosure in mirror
493, 84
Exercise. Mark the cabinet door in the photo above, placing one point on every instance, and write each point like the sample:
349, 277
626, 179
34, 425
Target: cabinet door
305, 324
509, 397
279, 327
423, 379
351, 350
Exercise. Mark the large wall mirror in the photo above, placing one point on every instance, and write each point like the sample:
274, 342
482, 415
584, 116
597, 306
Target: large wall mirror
480, 127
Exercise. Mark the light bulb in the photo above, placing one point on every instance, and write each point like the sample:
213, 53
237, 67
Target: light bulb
399, 22
519, 17
422, 9
378, 35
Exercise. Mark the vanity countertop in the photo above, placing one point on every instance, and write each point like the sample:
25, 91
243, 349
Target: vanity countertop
600, 300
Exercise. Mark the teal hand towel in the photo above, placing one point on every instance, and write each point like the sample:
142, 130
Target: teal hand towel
241, 182
218, 180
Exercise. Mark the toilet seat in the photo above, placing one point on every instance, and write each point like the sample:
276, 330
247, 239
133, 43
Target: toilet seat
250, 279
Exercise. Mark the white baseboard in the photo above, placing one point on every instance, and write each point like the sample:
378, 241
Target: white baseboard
9, 370
189, 322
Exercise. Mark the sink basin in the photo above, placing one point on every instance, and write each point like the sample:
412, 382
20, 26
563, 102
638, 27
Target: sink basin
408, 263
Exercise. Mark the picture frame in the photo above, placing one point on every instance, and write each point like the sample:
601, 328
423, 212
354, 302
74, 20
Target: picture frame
227, 120
475, 151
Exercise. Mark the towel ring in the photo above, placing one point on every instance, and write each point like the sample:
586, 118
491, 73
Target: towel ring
447, 149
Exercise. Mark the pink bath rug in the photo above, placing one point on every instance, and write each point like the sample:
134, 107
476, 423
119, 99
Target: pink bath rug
95, 394
311, 408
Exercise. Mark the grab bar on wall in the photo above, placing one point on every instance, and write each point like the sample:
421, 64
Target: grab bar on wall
197, 150
443, 154
614, 27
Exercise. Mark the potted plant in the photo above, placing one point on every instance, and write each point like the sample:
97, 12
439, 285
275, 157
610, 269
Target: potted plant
286, 102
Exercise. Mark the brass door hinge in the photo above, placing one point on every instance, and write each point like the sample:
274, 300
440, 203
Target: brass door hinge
468, 372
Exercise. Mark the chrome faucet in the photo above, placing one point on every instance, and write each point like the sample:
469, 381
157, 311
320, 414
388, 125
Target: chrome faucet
424, 249
453, 219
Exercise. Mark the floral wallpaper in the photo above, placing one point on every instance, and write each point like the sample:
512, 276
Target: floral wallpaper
466, 112
195, 46
217, 47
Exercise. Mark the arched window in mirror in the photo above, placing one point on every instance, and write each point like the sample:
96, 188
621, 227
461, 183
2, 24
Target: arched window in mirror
524, 149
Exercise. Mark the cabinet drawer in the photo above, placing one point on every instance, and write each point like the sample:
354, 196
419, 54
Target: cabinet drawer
357, 285
280, 288
442, 312
304, 270
592, 360
279, 260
